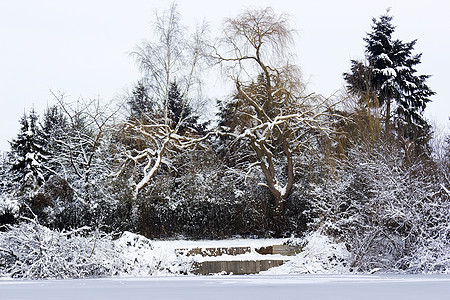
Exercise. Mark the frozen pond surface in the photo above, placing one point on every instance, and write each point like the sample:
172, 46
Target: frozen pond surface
314, 287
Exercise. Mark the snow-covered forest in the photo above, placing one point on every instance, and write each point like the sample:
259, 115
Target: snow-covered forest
87, 185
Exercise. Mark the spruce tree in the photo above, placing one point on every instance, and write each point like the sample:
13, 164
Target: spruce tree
389, 79
180, 113
379, 52
28, 155
140, 104
177, 110
53, 130
3, 174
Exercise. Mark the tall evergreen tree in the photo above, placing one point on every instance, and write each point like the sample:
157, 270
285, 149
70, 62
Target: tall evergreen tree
140, 104
379, 52
54, 128
28, 154
3, 174
390, 78
180, 113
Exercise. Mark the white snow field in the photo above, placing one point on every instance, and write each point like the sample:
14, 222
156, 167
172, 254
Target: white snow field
314, 287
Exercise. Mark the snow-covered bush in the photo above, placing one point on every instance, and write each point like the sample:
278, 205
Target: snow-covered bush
9, 205
139, 257
320, 255
386, 210
9, 209
434, 257
30, 250
432, 252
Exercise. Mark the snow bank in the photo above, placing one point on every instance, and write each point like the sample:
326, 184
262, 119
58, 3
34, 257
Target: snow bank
319, 256
142, 257
174, 246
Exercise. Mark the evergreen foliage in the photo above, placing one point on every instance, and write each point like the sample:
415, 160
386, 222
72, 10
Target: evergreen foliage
53, 129
389, 80
4, 166
140, 105
181, 113
28, 155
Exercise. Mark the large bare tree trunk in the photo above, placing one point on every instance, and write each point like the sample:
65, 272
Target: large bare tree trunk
278, 118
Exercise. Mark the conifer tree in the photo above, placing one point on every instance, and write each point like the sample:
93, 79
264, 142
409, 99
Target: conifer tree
177, 110
54, 128
140, 104
3, 174
180, 112
28, 154
391, 80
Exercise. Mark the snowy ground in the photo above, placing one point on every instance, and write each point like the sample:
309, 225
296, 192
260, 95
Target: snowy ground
314, 287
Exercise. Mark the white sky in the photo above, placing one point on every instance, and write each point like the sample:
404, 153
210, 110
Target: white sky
81, 47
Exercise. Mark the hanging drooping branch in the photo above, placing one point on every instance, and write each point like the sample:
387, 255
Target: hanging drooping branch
278, 120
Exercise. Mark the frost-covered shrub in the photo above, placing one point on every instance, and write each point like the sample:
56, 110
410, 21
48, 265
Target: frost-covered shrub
9, 205
139, 257
9, 209
320, 255
434, 257
194, 211
385, 210
432, 252
30, 250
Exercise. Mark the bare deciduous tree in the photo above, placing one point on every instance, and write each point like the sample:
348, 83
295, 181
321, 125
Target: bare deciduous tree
174, 57
88, 125
275, 118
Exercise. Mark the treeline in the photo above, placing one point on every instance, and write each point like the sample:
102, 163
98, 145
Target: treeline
276, 161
